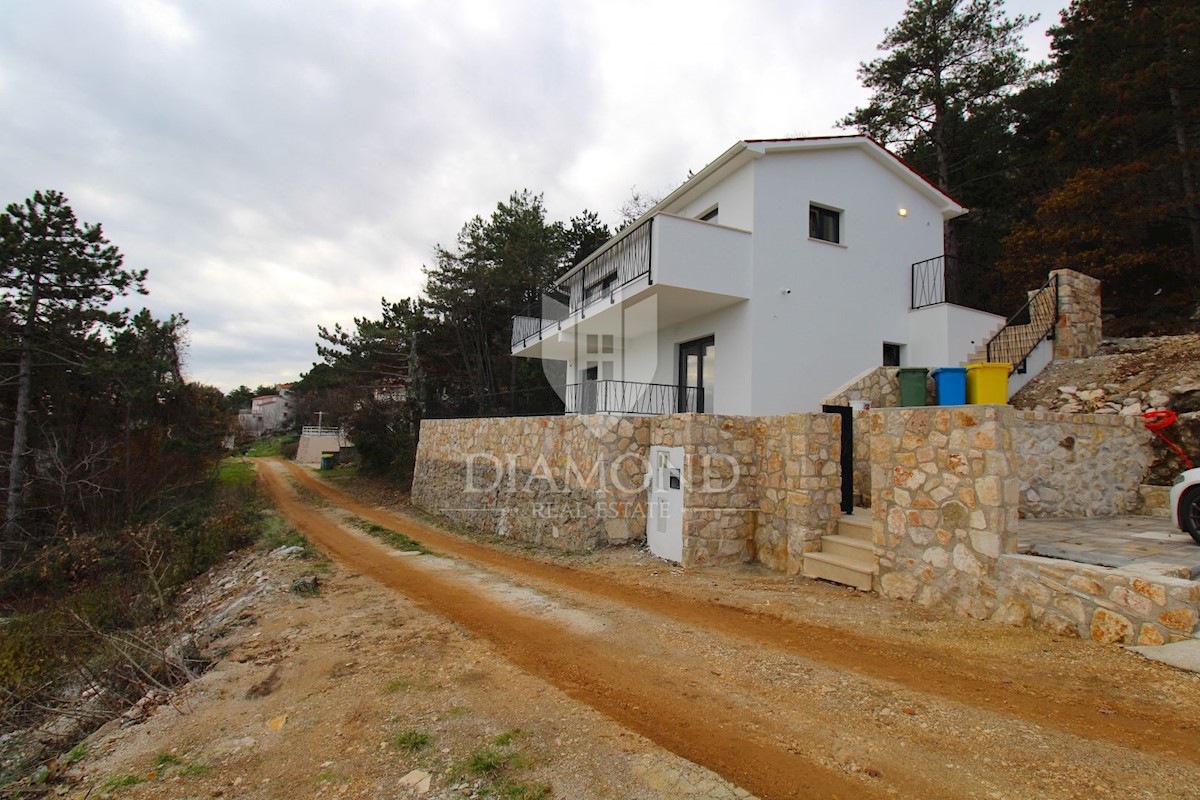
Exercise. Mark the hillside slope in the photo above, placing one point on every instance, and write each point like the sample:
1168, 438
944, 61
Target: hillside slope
1130, 377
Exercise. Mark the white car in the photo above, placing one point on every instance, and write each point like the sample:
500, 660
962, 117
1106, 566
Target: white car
1185, 503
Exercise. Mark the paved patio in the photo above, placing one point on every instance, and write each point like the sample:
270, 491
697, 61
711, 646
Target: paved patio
1144, 543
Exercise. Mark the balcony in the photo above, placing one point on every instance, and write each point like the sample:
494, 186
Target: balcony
626, 397
690, 267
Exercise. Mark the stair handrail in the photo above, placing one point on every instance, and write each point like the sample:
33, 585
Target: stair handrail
1016, 352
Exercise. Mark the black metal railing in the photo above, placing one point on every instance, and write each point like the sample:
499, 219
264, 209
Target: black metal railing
627, 397
936, 280
1026, 329
616, 265
588, 397
540, 317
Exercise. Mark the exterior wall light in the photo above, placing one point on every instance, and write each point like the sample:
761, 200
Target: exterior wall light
903, 212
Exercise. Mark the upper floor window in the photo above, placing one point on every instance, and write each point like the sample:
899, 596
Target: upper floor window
824, 224
710, 216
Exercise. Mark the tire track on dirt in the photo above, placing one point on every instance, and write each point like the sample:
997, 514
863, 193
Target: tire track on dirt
1037, 698
750, 750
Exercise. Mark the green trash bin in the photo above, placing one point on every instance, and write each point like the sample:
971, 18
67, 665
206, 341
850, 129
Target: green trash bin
327, 460
913, 386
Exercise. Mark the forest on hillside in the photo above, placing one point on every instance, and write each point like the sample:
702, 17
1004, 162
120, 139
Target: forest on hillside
113, 499
1086, 162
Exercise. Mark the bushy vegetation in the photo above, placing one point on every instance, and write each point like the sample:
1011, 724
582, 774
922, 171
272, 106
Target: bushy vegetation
116, 495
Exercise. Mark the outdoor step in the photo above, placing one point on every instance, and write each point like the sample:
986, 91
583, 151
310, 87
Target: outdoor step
856, 550
857, 525
837, 569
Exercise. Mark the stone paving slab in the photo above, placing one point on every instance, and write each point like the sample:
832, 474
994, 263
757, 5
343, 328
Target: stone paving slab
1147, 544
1184, 655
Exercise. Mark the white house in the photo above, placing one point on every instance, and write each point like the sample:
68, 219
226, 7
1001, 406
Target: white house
269, 412
774, 275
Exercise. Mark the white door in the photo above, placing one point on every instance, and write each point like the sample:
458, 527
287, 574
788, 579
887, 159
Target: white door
664, 524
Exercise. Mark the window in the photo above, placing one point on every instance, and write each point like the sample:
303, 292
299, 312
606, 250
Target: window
891, 354
824, 224
710, 216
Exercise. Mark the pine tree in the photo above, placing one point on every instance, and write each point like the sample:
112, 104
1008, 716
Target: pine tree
57, 279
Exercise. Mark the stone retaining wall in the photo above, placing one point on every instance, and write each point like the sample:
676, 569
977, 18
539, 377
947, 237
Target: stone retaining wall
1080, 465
946, 488
753, 487
720, 475
1155, 501
880, 386
943, 502
1108, 605
799, 487
553, 481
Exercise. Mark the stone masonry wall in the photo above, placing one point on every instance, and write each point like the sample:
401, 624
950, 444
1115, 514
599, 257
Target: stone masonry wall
564, 482
577, 482
1080, 465
799, 486
1108, 605
1079, 321
943, 502
719, 484
880, 386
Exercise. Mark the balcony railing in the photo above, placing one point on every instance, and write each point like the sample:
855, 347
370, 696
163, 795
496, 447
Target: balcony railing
317, 430
626, 397
619, 263
588, 397
936, 280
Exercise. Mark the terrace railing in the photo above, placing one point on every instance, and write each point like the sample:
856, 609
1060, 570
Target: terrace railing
936, 280
588, 397
616, 265
627, 397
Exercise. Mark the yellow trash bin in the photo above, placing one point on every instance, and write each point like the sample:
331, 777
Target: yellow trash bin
988, 383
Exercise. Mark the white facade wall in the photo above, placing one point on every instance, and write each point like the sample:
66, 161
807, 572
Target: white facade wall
946, 335
702, 256
845, 299
734, 197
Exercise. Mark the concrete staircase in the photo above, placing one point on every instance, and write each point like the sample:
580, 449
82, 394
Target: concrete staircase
848, 557
1014, 341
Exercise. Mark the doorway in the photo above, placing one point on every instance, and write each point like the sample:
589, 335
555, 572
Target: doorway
697, 375
847, 457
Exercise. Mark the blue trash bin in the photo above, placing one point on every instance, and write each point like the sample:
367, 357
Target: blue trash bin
951, 383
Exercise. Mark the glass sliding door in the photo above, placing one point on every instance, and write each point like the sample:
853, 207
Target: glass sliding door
697, 375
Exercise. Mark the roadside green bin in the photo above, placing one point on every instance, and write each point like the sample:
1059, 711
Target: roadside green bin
913, 386
327, 460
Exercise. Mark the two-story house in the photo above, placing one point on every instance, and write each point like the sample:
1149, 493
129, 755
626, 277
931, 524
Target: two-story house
777, 273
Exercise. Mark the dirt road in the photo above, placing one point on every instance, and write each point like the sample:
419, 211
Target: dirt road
786, 703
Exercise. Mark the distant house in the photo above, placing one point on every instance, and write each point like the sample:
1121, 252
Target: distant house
777, 273
269, 413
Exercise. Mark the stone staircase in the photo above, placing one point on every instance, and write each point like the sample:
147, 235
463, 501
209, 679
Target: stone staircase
847, 557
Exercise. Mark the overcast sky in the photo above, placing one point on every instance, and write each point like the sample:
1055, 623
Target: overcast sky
279, 164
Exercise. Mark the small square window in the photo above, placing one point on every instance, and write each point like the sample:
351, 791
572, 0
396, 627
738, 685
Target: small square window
710, 216
891, 354
824, 224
